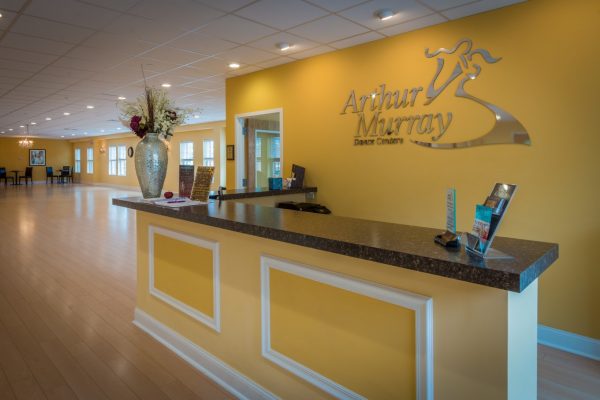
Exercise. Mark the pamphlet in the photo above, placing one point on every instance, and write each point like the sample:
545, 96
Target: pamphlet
483, 219
451, 210
176, 202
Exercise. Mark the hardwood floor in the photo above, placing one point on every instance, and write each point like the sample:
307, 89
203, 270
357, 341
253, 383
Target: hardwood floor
67, 295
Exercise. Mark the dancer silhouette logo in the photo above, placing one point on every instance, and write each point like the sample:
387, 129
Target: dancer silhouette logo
465, 65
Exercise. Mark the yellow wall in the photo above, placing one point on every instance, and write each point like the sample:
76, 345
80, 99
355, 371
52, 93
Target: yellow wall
547, 78
13, 157
196, 133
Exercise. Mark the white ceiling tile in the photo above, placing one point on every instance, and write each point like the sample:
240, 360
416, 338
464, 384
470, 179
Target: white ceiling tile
236, 29
173, 55
151, 66
227, 5
356, 40
19, 65
72, 12
29, 43
419, 23
336, 5
328, 29
313, 52
245, 55
205, 85
97, 65
406, 10
50, 30
132, 27
281, 14
25, 56
63, 74
203, 44
212, 65
444, 4
244, 70
276, 61
269, 43
186, 14
122, 44
15, 73
7, 18
117, 5
478, 7
12, 5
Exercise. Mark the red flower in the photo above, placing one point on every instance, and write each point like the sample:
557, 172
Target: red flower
136, 126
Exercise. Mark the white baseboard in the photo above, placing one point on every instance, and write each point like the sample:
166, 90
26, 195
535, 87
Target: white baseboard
116, 186
569, 342
224, 375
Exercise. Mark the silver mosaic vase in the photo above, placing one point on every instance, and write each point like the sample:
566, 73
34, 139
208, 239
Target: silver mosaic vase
151, 161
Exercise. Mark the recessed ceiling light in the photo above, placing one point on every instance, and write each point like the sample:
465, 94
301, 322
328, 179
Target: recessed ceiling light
21, 126
2, 132
0, 15
48, 119
234, 65
119, 128
67, 113
89, 107
385, 14
283, 46
196, 116
167, 85
72, 134
10, 129
33, 123
62, 136
101, 130
122, 98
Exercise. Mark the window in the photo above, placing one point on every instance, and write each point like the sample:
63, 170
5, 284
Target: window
90, 160
186, 153
122, 158
112, 160
258, 152
208, 153
77, 161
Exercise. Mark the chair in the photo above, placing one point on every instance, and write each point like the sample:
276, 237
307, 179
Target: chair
67, 173
28, 175
50, 174
5, 177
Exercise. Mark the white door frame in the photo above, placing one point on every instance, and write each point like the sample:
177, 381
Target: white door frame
240, 154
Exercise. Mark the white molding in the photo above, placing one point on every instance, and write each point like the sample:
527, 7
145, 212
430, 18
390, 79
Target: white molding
569, 342
224, 375
212, 322
422, 306
113, 185
240, 154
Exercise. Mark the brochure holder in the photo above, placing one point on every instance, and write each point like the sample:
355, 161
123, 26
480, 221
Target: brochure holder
498, 201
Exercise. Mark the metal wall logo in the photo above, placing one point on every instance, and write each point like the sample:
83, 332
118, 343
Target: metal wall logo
384, 130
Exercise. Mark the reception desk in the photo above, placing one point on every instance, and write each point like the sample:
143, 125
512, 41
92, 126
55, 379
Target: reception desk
274, 303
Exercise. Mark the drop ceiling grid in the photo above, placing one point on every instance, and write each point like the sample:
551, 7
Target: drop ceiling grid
80, 52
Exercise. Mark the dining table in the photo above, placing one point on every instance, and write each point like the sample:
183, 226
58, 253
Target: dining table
16, 181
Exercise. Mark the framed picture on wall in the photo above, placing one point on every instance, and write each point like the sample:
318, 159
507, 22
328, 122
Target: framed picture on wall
231, 152
37, 157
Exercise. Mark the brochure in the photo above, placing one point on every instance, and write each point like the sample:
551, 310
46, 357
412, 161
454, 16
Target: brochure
481, 227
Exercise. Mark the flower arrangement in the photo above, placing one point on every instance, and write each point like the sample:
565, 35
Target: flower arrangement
152, 112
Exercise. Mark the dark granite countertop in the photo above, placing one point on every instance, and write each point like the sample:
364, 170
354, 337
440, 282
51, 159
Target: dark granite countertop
403, 246
259, 192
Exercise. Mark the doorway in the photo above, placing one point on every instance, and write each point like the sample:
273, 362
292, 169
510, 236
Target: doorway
259, 148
